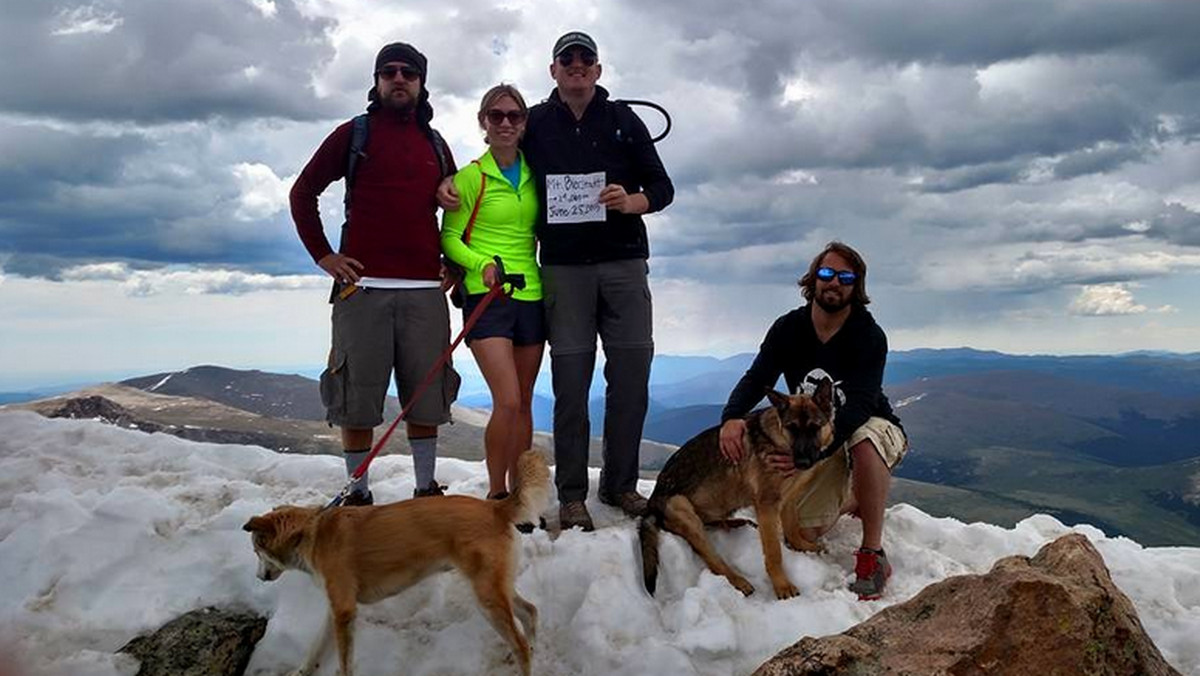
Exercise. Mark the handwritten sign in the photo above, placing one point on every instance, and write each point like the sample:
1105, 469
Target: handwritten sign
574, 198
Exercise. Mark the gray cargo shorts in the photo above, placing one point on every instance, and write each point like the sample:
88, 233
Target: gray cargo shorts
378, 332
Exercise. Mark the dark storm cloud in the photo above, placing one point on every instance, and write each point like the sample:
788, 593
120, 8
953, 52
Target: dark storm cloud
950, 32
160, 60
1177, 224
72, 197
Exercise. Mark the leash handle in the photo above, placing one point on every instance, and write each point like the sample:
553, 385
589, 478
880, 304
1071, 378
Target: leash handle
517, 281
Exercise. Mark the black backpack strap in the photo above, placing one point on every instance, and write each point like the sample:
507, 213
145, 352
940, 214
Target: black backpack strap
358, 144
355, 153
624, 118
439, 149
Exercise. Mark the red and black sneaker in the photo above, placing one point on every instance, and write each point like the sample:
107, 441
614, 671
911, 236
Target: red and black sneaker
871, 572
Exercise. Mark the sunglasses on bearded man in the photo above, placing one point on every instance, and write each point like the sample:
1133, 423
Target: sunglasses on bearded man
407, 72
844, 277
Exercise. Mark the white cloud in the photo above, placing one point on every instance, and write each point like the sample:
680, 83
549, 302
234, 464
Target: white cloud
84, 20
263, 194
267, 7
190, 281
97, 272
1103, 300
1051, 264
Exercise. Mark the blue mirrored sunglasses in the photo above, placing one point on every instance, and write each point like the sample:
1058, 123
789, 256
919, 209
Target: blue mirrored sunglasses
844, 277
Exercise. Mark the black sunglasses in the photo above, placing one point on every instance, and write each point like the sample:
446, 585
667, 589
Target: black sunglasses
567, 58
497, 116
389, 72
844, 277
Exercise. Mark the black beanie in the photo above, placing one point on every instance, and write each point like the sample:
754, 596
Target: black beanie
402, 51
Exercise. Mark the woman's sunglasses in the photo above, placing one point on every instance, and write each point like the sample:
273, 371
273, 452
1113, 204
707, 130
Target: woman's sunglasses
497, 116
844, 277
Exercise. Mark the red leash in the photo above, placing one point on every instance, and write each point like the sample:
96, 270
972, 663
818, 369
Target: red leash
517, 282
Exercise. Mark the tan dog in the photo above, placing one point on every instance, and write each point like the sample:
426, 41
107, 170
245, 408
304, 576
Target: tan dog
699, 487
366, 554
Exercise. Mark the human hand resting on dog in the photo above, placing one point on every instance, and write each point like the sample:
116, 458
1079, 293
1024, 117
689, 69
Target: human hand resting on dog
733, 431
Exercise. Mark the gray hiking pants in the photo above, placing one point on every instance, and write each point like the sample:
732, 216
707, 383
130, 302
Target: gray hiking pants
612, 300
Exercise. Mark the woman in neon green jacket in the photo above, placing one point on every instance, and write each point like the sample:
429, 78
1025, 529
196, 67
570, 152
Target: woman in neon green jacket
499, 208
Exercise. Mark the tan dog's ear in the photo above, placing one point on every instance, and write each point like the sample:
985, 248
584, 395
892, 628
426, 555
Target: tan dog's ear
779, 400
259, 524
824, 395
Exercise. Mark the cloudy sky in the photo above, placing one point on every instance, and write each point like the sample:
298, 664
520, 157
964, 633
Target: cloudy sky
1021, 175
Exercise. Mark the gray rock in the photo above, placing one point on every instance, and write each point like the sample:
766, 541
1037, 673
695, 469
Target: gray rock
204, 642
1057, 613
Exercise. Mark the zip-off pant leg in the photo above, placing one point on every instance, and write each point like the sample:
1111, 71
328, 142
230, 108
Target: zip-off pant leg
570, 294
627, 373
572, 376
626, 326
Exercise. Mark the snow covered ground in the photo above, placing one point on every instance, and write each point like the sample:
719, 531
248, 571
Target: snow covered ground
107, 533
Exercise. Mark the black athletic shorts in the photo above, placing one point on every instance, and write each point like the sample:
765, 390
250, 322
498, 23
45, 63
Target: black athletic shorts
521, 321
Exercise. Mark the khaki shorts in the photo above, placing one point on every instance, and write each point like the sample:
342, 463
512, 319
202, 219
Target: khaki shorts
378, 332
830, 487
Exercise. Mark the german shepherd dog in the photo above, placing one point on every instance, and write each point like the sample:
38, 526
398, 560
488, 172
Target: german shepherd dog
699, 487
366, 554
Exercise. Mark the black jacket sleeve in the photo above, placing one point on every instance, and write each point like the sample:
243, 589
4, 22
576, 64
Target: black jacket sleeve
862, 385
764, 372
651, 175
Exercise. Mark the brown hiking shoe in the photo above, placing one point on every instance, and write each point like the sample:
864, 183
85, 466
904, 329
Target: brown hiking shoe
575, 514
357, 499
871, 573
429, 491
630, 502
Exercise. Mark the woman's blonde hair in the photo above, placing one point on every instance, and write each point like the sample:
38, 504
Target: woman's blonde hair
495, 94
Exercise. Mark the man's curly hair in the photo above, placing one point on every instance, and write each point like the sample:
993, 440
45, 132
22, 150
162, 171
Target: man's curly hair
808, 283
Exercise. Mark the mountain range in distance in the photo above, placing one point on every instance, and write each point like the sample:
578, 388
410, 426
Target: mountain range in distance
1111, 441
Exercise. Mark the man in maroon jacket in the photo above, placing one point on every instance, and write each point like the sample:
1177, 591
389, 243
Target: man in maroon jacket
391, 314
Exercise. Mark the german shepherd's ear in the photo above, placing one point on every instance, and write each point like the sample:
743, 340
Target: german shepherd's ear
259, 524
779, 400
823, 396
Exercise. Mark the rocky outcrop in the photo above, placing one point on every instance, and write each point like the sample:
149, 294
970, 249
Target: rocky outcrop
205, 642
1056, 613
96, 407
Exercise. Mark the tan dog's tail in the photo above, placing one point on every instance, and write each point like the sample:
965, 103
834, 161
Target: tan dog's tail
525, 504
648, 537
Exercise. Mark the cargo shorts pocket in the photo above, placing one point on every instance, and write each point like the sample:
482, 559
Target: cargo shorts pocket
898, 442
333, 388
451, 381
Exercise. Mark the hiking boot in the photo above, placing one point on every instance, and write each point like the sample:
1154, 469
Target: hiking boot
629, 502
575, 514
429, 491
871, 572
357, 499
